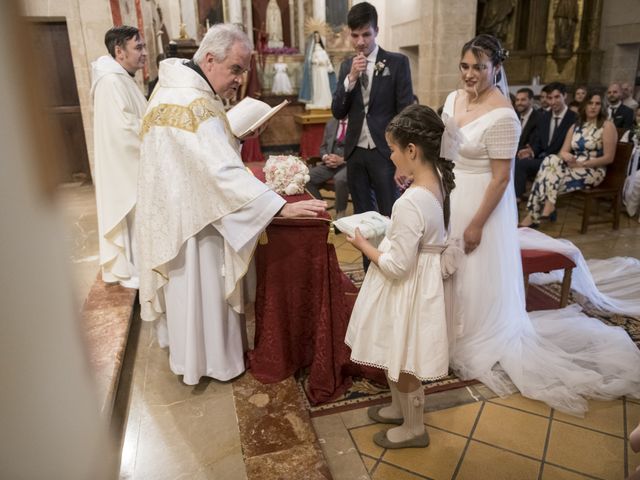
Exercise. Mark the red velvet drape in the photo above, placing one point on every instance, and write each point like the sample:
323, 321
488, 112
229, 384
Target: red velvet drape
311, 139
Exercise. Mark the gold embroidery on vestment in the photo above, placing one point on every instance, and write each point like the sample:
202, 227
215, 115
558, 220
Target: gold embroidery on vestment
186, 118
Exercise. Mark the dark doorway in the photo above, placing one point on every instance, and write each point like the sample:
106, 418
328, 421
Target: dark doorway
57, 78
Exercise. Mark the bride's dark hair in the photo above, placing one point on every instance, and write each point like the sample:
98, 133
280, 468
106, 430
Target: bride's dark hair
488, 45
420, 125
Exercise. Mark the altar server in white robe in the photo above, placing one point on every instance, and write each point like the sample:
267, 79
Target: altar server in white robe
200, 212
118, 108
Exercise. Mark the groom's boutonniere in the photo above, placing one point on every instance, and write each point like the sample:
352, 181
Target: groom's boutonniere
380, 66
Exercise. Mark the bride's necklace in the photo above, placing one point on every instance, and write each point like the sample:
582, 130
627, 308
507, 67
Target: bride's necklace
475, 104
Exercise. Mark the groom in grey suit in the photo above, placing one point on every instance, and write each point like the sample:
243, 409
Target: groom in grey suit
372, 88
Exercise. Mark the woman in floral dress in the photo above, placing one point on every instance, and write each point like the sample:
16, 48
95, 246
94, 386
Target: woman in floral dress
588, 148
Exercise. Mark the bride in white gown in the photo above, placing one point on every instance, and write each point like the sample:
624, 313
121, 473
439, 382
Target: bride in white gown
559, 357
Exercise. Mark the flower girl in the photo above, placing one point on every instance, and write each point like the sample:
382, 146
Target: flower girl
398, 323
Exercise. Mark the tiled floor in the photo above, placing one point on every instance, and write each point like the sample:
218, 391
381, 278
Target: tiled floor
177, 431
493, 438
484, 437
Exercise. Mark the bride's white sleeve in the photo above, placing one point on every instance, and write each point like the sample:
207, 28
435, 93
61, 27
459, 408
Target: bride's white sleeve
404, 235
502, 138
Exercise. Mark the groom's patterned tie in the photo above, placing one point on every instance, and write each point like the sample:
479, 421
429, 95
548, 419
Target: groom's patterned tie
364, 79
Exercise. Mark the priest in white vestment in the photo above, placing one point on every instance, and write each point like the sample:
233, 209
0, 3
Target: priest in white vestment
200, 212
118, 108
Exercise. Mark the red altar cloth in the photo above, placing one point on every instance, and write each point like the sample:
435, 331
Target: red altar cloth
301, 316
311, 139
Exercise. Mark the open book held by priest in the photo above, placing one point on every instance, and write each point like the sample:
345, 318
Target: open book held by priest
250, 114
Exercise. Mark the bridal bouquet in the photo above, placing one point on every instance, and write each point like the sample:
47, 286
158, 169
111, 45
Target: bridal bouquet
286, 174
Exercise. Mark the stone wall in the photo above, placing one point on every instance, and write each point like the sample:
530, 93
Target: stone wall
431, 33
620, 40
87, 21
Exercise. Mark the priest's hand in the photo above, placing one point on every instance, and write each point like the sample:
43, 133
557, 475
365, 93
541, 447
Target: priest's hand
305, 208
255, 133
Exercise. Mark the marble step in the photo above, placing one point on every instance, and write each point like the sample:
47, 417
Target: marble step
106, 320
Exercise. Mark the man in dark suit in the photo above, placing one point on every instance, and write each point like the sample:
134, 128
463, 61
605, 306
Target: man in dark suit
618, 113
372, 88
548, 138
332, 166
529, 117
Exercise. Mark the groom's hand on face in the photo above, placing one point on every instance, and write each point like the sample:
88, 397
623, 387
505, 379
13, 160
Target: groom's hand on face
358, 65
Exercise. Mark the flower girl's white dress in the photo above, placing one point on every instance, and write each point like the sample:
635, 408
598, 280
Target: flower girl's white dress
398, 322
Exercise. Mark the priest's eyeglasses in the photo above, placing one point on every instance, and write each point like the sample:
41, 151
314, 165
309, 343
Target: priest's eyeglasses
237, 71
477, 67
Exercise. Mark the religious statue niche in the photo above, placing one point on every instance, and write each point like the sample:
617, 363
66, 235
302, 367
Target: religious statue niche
271, 25
565, 19
318, 75
495, 17
210, 12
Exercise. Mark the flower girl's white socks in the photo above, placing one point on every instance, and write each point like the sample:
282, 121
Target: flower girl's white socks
394, 410
412, 405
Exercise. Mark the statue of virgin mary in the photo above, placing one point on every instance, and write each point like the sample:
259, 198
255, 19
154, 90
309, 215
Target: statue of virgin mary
318, 76
274, 25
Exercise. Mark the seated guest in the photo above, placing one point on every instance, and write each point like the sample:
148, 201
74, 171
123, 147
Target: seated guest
548, 138
574, 106
332, 166
633, 134
627, 96
529, 117
588, 148
580, 94
619, 114
631, 189
544, 98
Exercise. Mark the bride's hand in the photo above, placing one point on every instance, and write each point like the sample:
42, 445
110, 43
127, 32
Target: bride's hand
472, 237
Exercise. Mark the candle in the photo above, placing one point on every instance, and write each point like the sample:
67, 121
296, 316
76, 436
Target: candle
159, 40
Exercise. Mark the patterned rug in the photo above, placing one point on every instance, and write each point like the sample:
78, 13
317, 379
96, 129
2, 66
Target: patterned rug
364, 392
354, 271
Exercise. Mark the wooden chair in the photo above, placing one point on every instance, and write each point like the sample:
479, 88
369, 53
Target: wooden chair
609, 189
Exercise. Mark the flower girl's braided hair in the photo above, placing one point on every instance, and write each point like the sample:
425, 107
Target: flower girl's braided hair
420, 125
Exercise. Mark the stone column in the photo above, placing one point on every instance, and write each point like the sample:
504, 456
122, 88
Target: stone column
320, 10
444, 28
301, 16
292, 30
234, 15
248, 20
